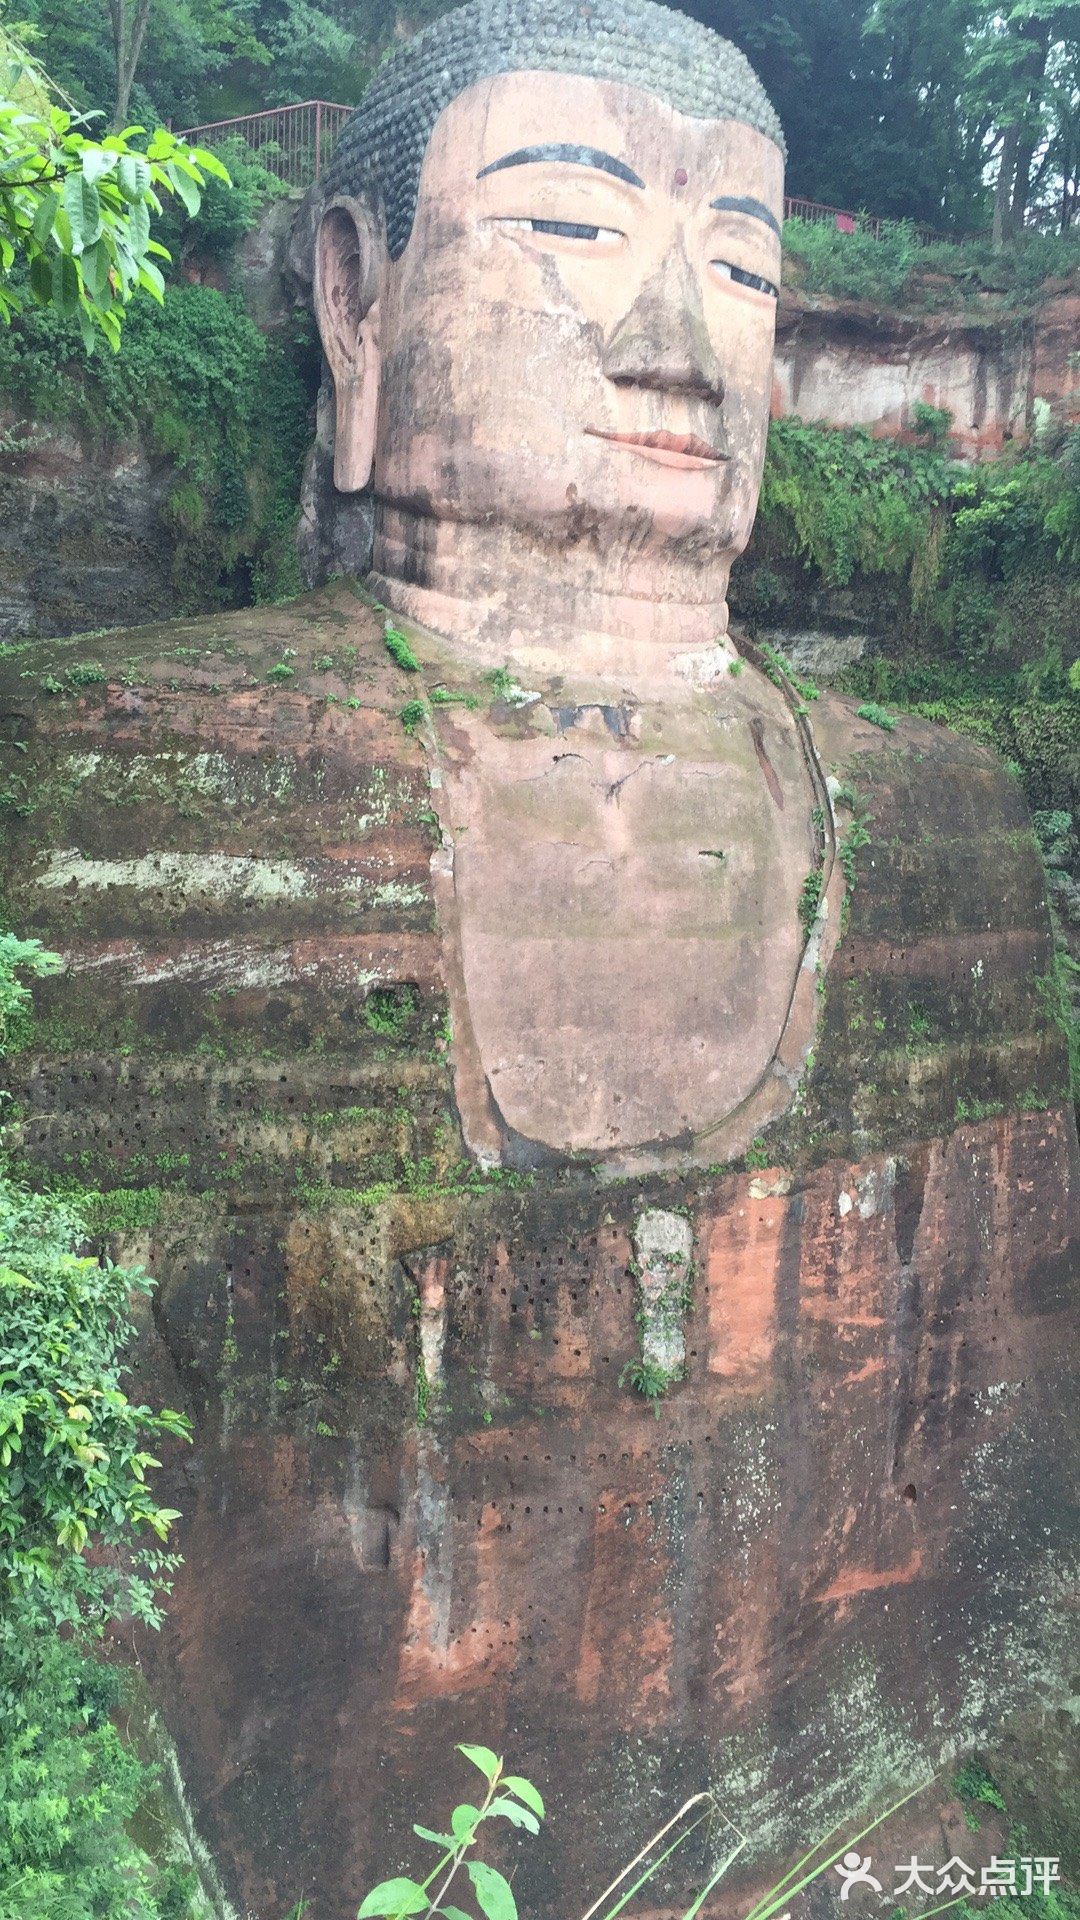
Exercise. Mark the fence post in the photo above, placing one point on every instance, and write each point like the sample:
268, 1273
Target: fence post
318, 137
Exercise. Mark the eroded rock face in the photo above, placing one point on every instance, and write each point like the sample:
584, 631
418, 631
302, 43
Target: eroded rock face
425, 1501
847, 364
82, 542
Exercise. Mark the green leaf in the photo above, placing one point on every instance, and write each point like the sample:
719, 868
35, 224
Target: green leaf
392, 1897
524, 1790
65, 284
133, 176
492, 1891
151, 279
138, 229
210, 163
444, 1840
82, 204
185, 188
97, 162
41, 278
95, 271
518, 1816
47, 209
482, 1757
455, 1913
463, 1821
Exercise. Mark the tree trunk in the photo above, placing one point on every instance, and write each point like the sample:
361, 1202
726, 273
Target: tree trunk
1003, 189
1038, 33
127, 46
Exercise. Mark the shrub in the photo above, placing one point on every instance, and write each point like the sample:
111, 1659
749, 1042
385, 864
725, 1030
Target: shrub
845, 503
76, 1512
201, 386
898, 269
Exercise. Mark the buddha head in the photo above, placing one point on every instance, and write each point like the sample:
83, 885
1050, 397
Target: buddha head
545, 275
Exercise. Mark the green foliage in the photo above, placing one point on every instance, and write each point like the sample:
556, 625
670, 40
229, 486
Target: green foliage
76, 1514
844, 502
971, 576
972, 1782
1059, 991
855, 266
932, 424
877, 716
400, 650
810, 899
966, 548
507, 1797
648, 1378
225, 214
894, 268
388, 1010
229, 408
517, 1800
71, 1788
852, 841
781, 672
74, 1452
443, 697
412, 715
19, 957
75, 212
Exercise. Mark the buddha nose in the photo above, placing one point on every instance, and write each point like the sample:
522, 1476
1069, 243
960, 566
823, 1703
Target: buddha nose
662, 341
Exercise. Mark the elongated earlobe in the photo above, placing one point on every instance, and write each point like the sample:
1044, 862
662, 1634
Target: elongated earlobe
350, 258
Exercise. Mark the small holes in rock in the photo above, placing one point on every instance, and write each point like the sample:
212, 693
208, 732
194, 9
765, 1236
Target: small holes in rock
910, 1493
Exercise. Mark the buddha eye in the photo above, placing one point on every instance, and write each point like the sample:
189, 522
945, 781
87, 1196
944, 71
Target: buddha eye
744, 279
563, 229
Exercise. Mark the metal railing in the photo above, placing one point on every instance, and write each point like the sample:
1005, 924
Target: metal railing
292, 142
295, 143
844, 221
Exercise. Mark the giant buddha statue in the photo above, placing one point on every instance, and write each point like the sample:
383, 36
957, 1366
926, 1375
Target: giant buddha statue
546, 273
593, 1106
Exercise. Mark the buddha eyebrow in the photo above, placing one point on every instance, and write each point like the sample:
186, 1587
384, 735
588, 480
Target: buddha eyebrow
733, 203
574, 156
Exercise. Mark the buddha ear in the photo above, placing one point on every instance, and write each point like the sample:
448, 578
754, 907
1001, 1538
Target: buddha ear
350, 266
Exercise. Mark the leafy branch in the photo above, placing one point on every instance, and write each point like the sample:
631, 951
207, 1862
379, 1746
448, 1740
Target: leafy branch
75, 212
508, 1797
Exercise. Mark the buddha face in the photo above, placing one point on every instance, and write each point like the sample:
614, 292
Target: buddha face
576, 343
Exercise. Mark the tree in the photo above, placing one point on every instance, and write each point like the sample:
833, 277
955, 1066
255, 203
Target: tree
920, 48
75, 212
1021, 76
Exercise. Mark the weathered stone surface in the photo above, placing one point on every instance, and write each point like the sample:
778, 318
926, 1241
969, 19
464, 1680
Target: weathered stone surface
819, 652
425, 1502
84, 542
847, 363
782, 1586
